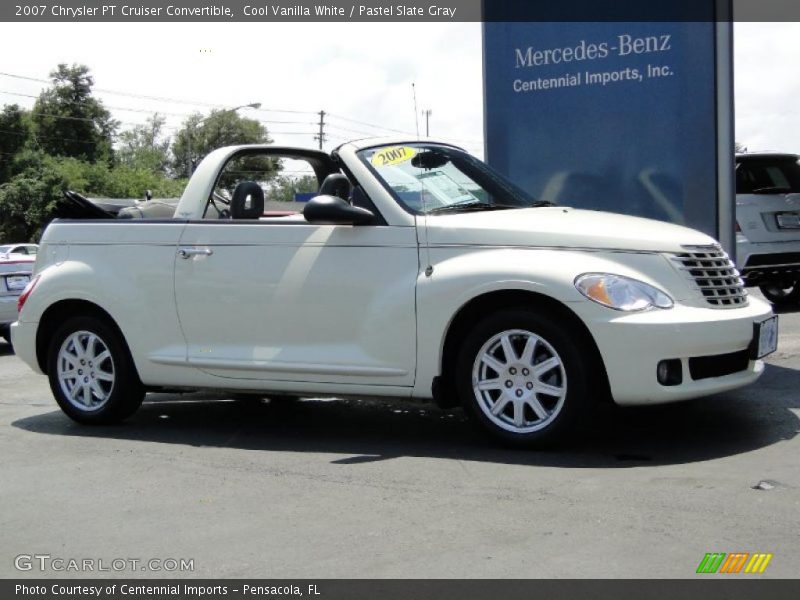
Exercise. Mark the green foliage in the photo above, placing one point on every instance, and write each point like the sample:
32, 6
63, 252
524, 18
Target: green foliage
26, 204
283, 188
121, 181
14, 134
68, 121
145, 147
28, 200
66, 142
200, 135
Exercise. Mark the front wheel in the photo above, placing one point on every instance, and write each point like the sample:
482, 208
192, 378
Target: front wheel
522, 376
781, 293
92, 375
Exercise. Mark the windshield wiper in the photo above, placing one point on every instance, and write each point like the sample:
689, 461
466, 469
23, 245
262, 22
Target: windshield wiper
470, 206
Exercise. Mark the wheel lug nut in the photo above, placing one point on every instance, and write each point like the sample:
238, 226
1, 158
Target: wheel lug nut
525, 372
509, 383
513, 371
80, 371
529, 386
85, 380
519, 393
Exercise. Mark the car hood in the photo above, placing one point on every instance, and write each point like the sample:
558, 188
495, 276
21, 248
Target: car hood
561, 227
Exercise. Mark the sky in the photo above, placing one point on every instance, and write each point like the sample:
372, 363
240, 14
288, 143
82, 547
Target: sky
360, 74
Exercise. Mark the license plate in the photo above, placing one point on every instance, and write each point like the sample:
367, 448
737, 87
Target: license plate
765, 338
788, 220
17, 282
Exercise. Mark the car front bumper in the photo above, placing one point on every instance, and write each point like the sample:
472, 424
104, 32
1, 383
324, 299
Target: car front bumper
767, 261
633, 344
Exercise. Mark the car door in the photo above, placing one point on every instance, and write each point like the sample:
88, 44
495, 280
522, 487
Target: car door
284, 300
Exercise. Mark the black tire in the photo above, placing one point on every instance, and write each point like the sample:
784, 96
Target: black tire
573, 373
124, 394
781, 293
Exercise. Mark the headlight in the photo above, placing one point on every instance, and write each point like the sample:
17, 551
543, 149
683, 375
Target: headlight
621, 293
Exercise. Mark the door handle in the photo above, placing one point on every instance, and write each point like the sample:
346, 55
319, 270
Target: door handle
186, 253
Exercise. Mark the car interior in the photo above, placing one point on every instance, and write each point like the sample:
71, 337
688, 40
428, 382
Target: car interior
249, 201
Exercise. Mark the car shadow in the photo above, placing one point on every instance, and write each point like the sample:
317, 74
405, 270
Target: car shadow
6, 349
375, 430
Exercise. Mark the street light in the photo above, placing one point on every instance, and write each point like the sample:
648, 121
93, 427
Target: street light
190, 137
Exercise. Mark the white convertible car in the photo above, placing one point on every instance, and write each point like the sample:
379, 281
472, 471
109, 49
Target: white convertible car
417, 271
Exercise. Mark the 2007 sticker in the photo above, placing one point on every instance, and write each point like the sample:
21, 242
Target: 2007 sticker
393, 156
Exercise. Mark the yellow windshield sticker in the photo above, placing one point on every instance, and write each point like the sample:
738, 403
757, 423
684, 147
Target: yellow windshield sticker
393, 156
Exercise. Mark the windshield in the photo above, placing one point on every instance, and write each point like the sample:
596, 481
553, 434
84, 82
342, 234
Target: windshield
768, 176
430, 179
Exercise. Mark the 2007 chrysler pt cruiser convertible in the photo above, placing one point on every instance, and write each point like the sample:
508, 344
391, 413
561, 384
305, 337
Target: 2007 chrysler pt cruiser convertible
416, 271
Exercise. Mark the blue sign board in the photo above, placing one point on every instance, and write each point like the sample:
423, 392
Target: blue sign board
620, 117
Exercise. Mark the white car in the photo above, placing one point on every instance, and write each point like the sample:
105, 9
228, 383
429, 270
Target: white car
417, 271
15, 274
7, 250
768, 224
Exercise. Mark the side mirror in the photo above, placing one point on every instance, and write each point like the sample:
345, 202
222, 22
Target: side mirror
332, 210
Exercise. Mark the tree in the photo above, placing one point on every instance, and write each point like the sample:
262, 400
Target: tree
145, 147
200, 135
283, 188
27, 203
68, 121
14, 134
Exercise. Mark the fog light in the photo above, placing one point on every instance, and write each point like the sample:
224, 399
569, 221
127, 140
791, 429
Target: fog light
670, 372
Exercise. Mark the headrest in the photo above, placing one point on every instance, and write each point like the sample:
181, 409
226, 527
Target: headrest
335, 184
247, 201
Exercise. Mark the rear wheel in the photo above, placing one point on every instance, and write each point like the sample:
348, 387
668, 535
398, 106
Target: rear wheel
523, 378
92, 375
781, 292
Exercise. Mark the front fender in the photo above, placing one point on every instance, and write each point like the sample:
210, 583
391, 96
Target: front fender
462, 274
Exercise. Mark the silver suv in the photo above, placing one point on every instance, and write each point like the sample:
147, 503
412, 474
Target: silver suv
768, 224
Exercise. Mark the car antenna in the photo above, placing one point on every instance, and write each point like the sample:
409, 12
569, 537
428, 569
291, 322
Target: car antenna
429, 266
416, 112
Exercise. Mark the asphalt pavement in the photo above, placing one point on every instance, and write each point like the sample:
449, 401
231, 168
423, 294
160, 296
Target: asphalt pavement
374, 488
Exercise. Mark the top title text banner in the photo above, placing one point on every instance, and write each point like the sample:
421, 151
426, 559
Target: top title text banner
403, 11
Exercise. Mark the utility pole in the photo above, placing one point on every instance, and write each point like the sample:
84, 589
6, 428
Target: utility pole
321, 135
427, 114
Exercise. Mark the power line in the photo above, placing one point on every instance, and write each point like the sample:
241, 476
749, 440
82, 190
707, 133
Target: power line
155, 98
372, 125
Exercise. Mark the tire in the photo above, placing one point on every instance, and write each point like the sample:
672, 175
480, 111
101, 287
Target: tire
530, 409
781, 293
111, 390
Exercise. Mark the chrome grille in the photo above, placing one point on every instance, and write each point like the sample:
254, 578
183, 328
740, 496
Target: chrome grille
713, 274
